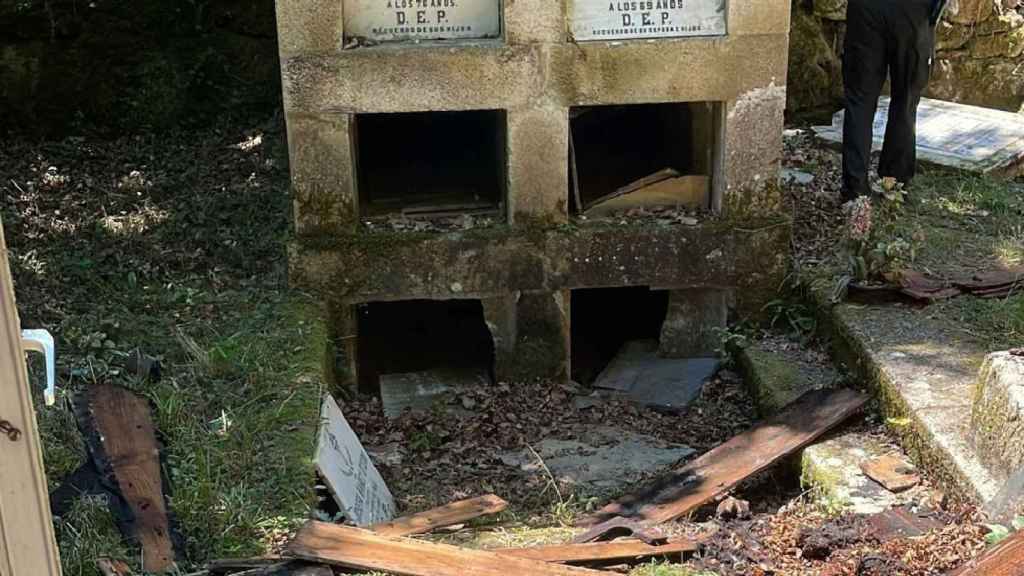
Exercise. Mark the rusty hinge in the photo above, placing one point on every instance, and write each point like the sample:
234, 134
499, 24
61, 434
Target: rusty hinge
9, 430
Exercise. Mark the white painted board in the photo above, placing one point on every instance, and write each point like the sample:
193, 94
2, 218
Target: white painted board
955, 135
414, 20
638, 19
352, 478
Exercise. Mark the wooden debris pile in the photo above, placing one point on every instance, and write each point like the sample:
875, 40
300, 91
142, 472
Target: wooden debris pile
624, 532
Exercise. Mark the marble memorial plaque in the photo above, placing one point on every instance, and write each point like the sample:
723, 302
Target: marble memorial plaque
413, 20
352, 478
638, 19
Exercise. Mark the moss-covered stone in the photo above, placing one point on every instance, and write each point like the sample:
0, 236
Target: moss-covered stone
997, 417
774, 380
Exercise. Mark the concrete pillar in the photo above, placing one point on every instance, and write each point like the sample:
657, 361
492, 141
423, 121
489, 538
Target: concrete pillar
692, 322
752, 153
538, 163
320, 152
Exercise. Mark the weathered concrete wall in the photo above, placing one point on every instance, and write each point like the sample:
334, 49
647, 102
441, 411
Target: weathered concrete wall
978, 59
997, 418
149, 64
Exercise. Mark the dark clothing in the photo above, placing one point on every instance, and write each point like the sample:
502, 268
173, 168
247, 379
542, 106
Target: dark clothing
937, 7
884, 37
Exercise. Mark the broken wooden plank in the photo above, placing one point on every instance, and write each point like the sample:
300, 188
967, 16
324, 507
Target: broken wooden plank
593, 552
364, 550
892, 472
128, 442
715, 473
574, 171
902, 522
447, 515
689, 191
1003, 559
663, 174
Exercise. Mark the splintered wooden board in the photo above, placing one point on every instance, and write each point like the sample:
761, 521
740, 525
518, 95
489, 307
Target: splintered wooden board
129, 443
688, 191
719, 470
616, 551
363, 550
447, 515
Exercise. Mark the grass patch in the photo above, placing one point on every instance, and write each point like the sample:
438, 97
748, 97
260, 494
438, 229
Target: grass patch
174, 245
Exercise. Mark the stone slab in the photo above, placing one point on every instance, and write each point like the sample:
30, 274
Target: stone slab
924, 373
353, 480
642, 376
417, 391
997, 418
955, 135
418, 20
832, 470
601, 459
778, 372
630, 20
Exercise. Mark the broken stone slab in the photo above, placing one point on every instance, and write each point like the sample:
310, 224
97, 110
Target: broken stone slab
799, 177
965, 137
832, 469
778, 371
601, 460
997, 417
642, 376
924, 373
420, 390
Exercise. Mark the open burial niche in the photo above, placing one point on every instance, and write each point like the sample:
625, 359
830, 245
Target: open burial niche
413, 351
641, 156
431, 164
653, 346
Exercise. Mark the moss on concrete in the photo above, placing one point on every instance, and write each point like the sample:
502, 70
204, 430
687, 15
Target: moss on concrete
774, 381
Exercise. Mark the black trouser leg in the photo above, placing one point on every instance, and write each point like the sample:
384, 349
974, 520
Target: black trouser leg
910, 54
864, 72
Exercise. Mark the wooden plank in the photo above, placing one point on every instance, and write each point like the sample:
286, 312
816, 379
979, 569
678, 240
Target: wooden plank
363, 550
663, 174
27, 544
689, 191
128, 442
447, 515
575, 171
616, 551
892, 472
1003, 559
718, 471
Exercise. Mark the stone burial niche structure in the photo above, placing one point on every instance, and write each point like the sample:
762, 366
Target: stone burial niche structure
497, 190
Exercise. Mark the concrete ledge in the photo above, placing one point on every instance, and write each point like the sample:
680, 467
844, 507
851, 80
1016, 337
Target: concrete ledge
924, 376
998, 415
502, 260
493, 75
395, 78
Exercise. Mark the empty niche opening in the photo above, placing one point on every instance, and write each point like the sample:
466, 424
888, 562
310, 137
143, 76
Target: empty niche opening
431, 164
603, 320
641, 156
413, 350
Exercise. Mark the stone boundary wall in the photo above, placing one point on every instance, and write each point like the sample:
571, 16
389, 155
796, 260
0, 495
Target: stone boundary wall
978, 55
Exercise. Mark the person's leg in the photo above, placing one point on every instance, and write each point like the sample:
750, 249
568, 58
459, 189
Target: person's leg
864, 71
913, 42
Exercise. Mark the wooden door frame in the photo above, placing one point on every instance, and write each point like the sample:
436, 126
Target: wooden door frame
27, 543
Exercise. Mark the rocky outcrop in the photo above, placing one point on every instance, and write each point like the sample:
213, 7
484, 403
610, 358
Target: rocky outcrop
979, 52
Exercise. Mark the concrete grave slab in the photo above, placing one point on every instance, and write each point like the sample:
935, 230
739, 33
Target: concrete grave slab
778, 372
641, 375
419, 390
602, 459
955, 135
832, 469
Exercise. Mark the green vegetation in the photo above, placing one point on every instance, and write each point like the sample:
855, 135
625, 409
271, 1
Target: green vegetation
174, 246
